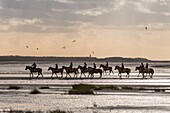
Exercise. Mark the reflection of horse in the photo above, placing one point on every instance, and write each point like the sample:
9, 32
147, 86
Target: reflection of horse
39, 70
84, 70
146, 71
120, 70
55, 71
106, 69
92, 71
70, 70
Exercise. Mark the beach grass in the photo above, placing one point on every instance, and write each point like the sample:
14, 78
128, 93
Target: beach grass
82, 89
14, 87
35, 91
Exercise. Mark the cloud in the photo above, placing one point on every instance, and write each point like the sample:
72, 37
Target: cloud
141, 8
17, 21
69, 15
92, 12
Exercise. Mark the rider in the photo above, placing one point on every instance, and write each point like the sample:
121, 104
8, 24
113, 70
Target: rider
56, 66
94, 65
85, 65
122, 66
142, 66
71, 65
34, 66
107, 65
146, 65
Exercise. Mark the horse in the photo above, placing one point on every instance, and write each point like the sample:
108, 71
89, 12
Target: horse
84, 70
70, 70
149, 71
92, 71
55, 71
106, 69
125, 70
39, 70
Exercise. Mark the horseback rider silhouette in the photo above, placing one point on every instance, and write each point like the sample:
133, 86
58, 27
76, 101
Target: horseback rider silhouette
34, 66
107, 65
85, 65
94, 65
122, 67
71, 65
146, 65
56, 66
142, 66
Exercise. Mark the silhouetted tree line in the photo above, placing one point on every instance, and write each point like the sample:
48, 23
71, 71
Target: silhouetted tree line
109, 59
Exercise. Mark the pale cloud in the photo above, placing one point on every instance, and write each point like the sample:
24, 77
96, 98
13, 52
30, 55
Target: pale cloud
17, 21
4, 27
141, 8
118, 4
92, 12
65, 1
166, 13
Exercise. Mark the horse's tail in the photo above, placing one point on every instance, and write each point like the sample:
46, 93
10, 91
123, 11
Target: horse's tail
152, 71
129, 70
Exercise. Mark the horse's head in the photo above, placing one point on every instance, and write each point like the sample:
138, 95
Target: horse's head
116, 67
79, 67
101, 65
27, 67
49, 68
137, 68
64, 67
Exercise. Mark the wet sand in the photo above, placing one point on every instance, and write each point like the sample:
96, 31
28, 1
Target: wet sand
54, 95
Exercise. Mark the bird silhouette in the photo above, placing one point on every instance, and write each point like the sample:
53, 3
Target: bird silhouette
37, 48
146, 28
93, 52
74, 41
64, 47
26, 46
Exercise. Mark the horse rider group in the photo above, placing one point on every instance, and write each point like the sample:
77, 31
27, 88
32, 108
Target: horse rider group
34, 66
94, 65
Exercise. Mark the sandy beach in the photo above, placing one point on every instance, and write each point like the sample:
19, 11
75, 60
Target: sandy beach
54, 95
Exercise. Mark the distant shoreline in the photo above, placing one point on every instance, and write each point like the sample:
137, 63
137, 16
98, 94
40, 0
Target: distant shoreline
92, 59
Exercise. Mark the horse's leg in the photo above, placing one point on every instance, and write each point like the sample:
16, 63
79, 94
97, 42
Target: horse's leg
56, 75
120, 75
52, 75
138, 74
127, 75
30, 74
84, 75
42, 74
143, 75
100, 75
38, 75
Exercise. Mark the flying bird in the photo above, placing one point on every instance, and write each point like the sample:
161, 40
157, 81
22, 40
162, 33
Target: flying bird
26, 46
93, 52
37, 48
146, 28
64, 47
74, 41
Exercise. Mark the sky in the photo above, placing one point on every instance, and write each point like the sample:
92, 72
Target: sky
100, 28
